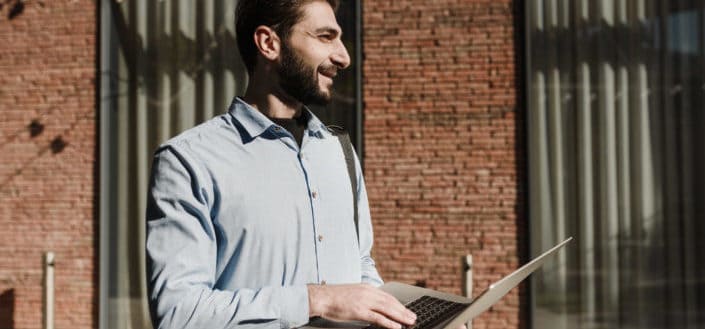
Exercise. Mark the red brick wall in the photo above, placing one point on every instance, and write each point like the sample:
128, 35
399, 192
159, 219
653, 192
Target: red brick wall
47, 161
441, 129
440, 150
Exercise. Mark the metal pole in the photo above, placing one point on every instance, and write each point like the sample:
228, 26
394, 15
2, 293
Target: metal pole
359, 141
49, 290
467, 275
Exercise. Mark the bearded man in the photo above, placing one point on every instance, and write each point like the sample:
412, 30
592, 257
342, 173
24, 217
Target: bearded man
250, 216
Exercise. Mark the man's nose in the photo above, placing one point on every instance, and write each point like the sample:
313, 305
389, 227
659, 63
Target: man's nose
340, 56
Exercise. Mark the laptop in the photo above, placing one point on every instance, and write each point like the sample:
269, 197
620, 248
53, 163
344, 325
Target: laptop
439, 310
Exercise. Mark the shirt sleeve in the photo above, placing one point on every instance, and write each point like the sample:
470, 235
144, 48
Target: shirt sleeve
366, 236
181, 251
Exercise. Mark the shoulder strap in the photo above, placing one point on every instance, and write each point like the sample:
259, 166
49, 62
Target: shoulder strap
345, 143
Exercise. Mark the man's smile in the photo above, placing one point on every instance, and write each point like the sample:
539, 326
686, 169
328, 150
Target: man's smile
329, 73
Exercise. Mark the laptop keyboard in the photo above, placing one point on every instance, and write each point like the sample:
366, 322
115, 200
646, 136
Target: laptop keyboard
430, 311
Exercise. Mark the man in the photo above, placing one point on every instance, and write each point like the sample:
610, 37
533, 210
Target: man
250, 215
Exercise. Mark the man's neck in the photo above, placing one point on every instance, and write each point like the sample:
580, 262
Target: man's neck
272, 103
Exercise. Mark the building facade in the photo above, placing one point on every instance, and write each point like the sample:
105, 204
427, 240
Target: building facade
48, 163
485, 128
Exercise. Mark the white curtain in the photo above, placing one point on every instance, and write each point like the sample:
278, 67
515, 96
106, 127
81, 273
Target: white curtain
616, 125
171, 64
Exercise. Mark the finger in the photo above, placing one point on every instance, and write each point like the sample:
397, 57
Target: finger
381, 320
400, 309
405, 311
391, 308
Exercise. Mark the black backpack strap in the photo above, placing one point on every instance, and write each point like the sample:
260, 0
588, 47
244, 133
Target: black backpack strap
345, 143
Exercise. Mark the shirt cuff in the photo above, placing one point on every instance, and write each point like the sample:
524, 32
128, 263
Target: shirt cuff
294, 306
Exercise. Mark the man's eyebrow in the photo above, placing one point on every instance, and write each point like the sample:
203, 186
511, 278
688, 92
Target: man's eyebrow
328, 29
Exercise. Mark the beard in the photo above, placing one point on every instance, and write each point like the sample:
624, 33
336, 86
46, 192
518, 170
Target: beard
300, 81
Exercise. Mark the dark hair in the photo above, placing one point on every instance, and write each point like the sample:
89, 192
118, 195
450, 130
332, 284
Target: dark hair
280, 15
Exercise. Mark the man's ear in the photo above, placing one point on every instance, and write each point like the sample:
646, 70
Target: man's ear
267, 42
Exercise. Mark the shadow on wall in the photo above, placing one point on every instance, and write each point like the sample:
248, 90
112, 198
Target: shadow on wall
7, 309
16, 7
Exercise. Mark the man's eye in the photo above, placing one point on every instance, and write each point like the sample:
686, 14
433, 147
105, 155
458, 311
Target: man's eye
326, 37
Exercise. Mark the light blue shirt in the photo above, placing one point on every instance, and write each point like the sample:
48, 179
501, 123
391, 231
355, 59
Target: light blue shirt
240, 220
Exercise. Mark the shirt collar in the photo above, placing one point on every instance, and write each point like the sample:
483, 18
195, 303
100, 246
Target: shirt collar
315, 126
256, 123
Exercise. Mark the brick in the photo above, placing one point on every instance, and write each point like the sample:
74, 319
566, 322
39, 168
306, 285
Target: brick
446, 76
47, 199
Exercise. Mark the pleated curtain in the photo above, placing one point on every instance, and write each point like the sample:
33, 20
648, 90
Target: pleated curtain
172, 64
616, 153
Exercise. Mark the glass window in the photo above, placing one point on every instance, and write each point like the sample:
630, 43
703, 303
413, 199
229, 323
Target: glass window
165, 67
615, 129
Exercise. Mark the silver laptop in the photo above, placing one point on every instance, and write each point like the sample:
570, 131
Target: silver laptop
439, 310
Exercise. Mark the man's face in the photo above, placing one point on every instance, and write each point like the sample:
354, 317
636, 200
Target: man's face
312, 55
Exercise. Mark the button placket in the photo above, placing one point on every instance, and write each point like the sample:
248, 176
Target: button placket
313, 196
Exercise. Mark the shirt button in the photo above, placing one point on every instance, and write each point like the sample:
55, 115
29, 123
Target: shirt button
277, 129
320, 238
314, 194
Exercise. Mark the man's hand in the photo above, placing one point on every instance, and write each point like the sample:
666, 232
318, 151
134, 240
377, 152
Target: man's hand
358, 302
